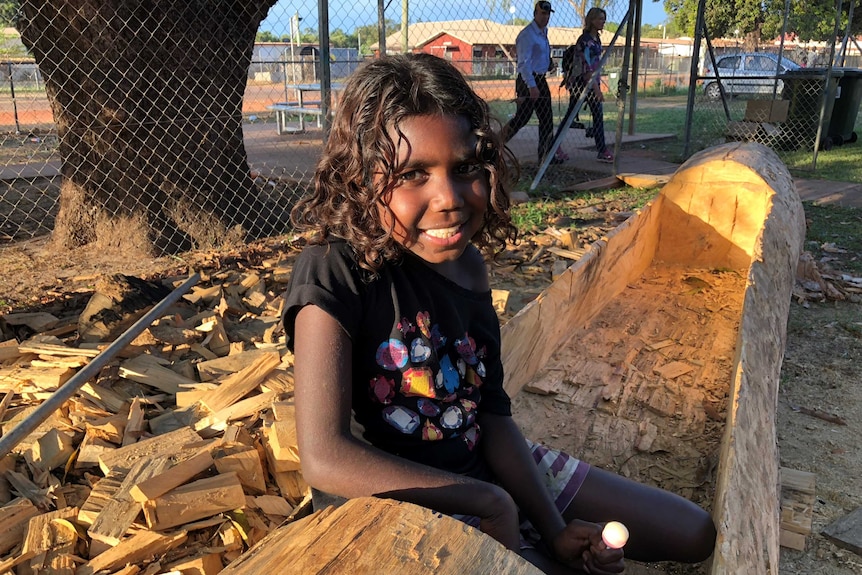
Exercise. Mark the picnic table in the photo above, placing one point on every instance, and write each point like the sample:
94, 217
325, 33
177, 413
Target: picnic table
300, 108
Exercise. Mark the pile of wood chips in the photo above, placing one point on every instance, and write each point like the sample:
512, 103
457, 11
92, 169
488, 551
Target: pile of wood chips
178, 456
817, 281
181, 454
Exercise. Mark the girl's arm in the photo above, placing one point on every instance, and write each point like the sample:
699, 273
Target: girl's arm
506, 452
337, 463
575, 544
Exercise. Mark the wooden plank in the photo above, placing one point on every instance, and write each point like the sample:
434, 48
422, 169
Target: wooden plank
100, 495
121, 510
22, 378
369, 535
104, 397
215, 423
194, 501
9, 350
797, 507
225, 366
291, 485
135, 424
803, 481
14, 517
138, 547
273, 505
206, 564
150, 370
216, 340
53, 539
51, 450
166, 444
172, 477
245, 461
280, 438
236, 386
846, 532
41, 348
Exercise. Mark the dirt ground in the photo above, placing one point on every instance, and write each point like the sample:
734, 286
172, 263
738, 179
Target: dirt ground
819, 408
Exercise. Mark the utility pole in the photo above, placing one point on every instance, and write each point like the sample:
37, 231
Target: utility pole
404, 21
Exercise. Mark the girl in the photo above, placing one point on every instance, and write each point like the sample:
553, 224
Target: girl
587, 56
389, 315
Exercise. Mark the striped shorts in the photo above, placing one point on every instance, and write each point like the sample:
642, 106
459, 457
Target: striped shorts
563, 476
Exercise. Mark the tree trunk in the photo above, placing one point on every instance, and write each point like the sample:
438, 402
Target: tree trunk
147, 98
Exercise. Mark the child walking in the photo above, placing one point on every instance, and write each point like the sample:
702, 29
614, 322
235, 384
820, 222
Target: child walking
586, 60
389, 315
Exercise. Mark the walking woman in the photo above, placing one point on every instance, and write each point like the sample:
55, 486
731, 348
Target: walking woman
586, 60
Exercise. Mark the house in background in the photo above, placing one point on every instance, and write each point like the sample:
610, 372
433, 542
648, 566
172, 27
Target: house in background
477, 47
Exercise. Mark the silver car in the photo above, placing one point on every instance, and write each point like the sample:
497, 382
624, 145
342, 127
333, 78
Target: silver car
746, 73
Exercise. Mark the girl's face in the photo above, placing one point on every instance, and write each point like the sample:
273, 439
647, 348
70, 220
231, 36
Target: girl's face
599, 21
441, 191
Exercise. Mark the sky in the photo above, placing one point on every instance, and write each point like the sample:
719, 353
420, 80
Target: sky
348, 14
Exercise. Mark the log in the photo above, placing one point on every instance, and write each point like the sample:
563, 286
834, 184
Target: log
369, 535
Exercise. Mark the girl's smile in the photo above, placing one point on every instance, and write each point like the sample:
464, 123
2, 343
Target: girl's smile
438, 201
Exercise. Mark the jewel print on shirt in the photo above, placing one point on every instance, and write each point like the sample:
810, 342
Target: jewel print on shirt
419, 351
401, 418
431, 432
382, 389
448, 377
417, 381
431, 398
392, 354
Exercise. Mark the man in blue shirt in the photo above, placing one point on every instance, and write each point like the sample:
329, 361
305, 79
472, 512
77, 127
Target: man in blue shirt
531, 87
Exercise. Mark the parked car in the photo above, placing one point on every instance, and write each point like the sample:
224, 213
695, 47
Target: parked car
746, 73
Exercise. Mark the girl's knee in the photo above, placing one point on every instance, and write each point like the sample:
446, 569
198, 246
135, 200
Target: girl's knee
700, 539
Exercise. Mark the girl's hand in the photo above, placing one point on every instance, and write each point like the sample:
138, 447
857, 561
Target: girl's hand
580, 545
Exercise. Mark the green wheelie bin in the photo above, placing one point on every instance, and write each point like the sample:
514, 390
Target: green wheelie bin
846, 107
804, 90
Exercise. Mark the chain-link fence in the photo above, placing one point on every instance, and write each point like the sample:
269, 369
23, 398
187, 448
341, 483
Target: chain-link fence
124, 126
798, 98
201, 123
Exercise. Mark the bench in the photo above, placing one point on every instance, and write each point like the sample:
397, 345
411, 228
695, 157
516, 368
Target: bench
284, 111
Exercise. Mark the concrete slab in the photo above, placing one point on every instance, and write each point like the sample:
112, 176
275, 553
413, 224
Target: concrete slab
845, 194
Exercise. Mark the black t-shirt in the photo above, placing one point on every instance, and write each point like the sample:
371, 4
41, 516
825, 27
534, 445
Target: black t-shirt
426, 353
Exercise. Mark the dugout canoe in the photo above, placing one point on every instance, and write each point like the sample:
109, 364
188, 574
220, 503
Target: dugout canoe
730, 211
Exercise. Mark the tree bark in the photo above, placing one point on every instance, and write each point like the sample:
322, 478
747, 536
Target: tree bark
147, 98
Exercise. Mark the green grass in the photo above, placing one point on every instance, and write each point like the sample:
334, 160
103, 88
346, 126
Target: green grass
567, 211
835, 232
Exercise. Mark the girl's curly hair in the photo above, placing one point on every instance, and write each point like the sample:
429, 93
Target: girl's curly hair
377, 97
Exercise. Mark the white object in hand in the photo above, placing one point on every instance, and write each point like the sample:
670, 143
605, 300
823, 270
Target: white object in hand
615, 535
